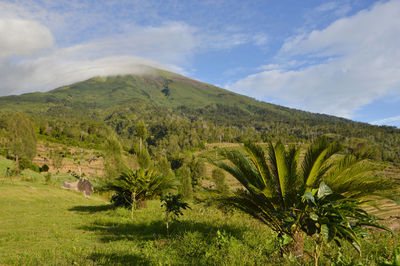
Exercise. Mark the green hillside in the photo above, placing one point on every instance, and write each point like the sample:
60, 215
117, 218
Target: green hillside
169, 102
158, 88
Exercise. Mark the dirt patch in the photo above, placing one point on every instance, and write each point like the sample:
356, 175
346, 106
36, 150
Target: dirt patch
75, 160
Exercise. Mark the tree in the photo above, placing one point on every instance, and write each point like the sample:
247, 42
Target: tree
173, 207
164, 166
113, 162
187, 189
22, 137
276, 183
197, 171
218, 177
144, 158
141, 130
134, 187
57, 157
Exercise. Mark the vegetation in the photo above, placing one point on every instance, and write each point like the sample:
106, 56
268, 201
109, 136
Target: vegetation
277, 184
333, 217
67, 228
187, 188
218, 177
134, 187
192, 115
174, 206
113, 163
143, 136
22, 137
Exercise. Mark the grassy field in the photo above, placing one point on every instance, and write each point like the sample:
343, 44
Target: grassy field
44, 224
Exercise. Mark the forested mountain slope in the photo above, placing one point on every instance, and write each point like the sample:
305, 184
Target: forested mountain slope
185, 111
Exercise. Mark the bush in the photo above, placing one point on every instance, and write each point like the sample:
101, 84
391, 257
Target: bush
134, 187
47, 177
35, 167
44, 168
25, 163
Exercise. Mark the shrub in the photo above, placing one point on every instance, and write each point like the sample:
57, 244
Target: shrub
173, 207
47, 177
25, 163
44, 168
276, 181
218, 177
134, 187
35, 167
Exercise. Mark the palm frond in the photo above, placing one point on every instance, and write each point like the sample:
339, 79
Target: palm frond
257, 156
315, 163
243, 170
277, 168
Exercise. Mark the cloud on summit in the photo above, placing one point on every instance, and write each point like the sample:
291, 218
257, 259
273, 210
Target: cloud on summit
32, 57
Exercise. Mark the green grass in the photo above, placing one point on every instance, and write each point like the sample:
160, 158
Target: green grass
44, 224
4, 163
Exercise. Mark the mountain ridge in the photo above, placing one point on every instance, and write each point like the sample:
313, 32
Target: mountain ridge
160, 98
159, 92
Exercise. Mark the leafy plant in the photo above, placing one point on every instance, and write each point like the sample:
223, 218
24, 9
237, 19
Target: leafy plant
144, 158
331, 217
173, 207
276, 182
134, 187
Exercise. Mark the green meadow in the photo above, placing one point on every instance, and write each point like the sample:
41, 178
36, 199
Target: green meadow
43, 224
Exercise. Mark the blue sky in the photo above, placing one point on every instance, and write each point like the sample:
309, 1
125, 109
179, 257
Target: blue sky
334, 57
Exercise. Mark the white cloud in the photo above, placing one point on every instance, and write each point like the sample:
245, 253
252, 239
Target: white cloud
23, 37
269, 67
394, 120
44, 44
358, 60
50, 72
328, 6
164, 47
260, 39
338, 9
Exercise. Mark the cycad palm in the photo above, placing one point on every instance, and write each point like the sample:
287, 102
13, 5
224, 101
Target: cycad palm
275, 182
136, 186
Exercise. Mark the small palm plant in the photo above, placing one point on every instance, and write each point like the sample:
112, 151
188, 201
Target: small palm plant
134, 187
173, 207
331, 217
275, 182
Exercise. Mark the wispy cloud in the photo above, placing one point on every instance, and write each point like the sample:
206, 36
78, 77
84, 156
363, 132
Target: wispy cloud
352, 62
46, 45
38, 64
394, 120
